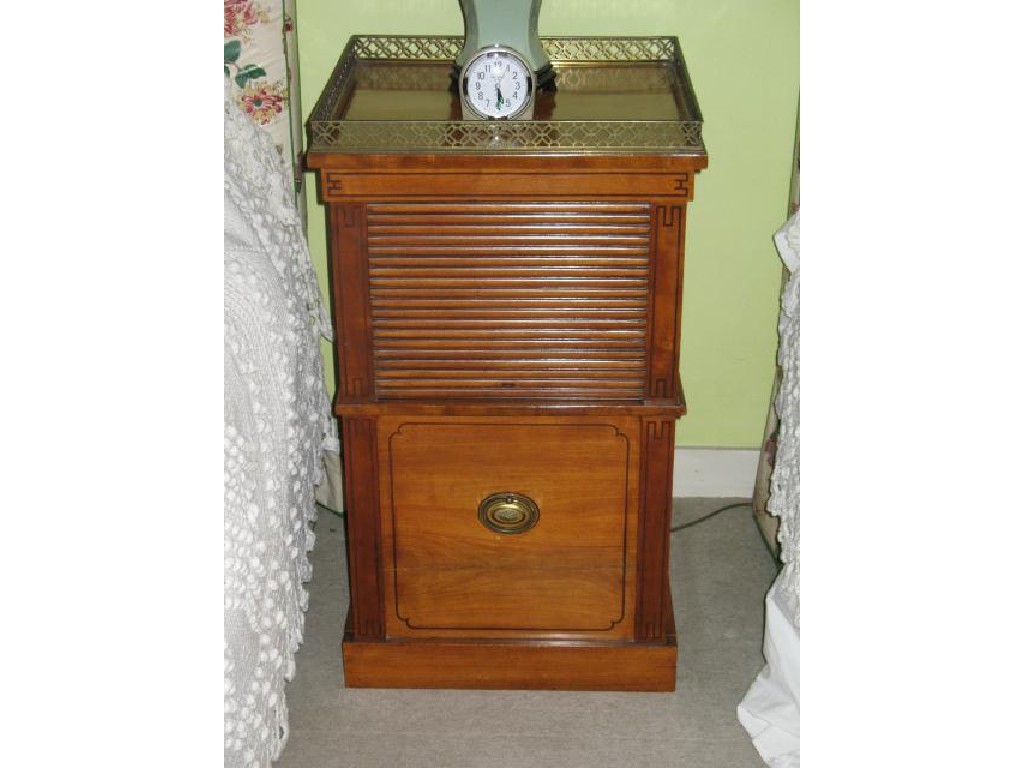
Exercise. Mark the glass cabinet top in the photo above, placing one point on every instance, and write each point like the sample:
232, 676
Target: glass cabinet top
612, 95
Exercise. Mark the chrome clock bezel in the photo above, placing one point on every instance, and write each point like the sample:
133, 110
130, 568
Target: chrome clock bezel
468, 70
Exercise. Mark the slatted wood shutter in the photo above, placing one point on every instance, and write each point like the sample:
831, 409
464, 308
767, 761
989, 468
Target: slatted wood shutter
509, 299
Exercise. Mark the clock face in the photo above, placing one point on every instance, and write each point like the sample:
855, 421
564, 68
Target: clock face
497, 83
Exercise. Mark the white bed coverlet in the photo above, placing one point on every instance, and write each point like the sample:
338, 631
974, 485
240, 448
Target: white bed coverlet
771, 709
276, 418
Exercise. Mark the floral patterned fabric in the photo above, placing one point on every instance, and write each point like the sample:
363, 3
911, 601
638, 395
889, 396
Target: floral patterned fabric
260, 59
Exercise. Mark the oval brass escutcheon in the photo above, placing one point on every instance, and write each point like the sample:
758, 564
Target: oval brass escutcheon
508, 512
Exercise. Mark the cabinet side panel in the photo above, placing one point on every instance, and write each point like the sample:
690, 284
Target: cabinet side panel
362, 512
658, 443
349, 286
667, 225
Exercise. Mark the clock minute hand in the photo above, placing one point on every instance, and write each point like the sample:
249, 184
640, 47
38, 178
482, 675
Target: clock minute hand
497, 87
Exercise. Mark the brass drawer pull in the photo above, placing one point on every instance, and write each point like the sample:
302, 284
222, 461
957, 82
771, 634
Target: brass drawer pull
508, 512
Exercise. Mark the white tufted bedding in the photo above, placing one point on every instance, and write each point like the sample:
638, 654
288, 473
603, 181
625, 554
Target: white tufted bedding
276, 420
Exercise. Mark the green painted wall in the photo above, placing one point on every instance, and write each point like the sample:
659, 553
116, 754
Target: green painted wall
743, 57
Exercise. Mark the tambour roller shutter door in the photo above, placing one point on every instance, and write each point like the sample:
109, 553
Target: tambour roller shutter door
509, 299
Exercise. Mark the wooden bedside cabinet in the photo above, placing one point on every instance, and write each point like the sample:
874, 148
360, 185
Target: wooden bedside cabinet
507, 312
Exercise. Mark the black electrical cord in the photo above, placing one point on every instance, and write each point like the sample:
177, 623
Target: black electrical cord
335, 512
709, 515
690, 524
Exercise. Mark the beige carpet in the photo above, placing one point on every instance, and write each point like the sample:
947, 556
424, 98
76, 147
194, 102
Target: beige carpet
720, 570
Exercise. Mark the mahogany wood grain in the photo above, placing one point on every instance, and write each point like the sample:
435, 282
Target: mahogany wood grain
362, 515
526, 307
681, 165
571, 575
350, 291
508, 322
510, 665
658, 447
508, 184
667, 223
531, 300
650, 407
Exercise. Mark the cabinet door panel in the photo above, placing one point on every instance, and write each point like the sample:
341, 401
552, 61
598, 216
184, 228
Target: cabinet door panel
571, 572
514, 300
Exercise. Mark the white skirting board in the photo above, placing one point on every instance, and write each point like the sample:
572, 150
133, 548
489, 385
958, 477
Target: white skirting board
714, 472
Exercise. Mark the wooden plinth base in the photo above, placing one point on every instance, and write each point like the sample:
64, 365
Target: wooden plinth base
507, 665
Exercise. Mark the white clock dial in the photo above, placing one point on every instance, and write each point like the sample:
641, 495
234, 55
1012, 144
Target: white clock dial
497, 83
